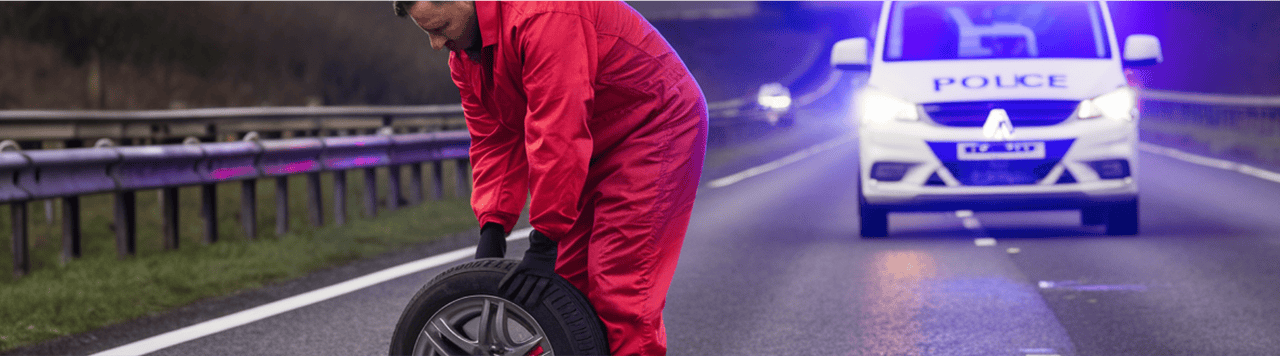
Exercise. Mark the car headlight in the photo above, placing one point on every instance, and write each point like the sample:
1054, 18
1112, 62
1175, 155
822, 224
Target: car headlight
775, 102
877, 107
1118, 104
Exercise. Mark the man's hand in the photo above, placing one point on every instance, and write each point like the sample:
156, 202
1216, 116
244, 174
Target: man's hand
526, 283
493, 241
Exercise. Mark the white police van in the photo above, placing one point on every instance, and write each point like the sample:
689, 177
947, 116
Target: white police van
997, 106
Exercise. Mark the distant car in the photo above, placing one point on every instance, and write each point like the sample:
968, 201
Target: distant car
997, 106
773, 104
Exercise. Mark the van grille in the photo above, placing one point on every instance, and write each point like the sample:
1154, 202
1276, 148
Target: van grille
1021, 112
1001, 172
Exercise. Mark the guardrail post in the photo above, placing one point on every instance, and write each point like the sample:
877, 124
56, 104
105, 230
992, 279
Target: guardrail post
464, 179
18, 217
285, 158
48, 211
70, 228
437, 184
340, 197
163, 167
393, 187
315, 206
370, 192
343, 154
225, 162
126, 223
282, 205
209, 212
249, 208
415, 183
169, 217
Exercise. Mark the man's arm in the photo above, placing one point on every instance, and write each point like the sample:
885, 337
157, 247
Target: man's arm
498, 168
559, 53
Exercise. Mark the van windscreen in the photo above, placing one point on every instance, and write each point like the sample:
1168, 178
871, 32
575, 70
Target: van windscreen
979, 30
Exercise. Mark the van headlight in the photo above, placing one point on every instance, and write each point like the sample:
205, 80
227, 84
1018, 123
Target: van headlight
878, 107
1119, 104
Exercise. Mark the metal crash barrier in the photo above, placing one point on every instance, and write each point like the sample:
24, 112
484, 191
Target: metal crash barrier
67, 174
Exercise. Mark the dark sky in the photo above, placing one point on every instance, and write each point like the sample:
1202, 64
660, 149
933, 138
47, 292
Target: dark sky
1218, 47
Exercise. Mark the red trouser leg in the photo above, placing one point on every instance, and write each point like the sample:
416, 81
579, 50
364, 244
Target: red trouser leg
622, 251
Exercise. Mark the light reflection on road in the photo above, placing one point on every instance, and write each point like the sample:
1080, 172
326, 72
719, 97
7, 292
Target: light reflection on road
895, 301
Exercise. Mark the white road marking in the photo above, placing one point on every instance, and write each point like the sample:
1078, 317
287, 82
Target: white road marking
1210, 162
789, 159
1077, 286
1039, 352
1013, 250
972, 224
264, 311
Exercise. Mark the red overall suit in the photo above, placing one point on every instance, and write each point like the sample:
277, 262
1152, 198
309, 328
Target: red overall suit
586, 107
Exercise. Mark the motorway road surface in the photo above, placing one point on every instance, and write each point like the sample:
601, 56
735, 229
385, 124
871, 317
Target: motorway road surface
773, 266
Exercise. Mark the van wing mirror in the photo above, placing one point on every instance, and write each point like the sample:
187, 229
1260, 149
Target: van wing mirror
851, 54
1142, 50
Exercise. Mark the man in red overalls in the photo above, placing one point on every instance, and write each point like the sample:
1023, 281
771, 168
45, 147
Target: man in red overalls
586, 107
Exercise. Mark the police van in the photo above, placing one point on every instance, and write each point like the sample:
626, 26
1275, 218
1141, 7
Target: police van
997, 106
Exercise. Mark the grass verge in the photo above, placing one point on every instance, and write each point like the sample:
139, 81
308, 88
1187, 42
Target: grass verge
1256, 146
100, 289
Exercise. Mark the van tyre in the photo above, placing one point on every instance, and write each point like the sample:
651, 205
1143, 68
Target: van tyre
462, 312
1122, 219
873, 222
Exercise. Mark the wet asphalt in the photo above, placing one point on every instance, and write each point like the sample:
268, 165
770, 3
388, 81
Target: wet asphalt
772, 265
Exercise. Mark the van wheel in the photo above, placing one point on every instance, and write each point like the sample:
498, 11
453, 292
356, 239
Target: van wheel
1094, 215
1122, 218
873, 222
461, 312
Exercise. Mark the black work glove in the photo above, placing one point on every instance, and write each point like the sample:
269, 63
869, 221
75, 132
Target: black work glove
529, 280
493, 241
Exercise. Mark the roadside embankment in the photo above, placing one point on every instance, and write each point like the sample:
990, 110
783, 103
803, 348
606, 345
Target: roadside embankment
1239, 129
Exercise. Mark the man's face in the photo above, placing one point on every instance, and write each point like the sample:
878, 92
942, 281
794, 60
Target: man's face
451, 25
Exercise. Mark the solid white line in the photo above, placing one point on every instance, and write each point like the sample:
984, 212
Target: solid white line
264, 311
1210, 162
789, 159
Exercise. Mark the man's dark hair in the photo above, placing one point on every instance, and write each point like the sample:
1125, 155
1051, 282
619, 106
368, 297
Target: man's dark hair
402, 7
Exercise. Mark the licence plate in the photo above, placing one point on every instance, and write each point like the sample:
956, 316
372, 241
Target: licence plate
983, 151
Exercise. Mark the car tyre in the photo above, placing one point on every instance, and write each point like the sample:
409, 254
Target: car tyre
458, 310
1122, 219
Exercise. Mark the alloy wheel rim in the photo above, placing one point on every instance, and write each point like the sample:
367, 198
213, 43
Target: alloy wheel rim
482, 325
